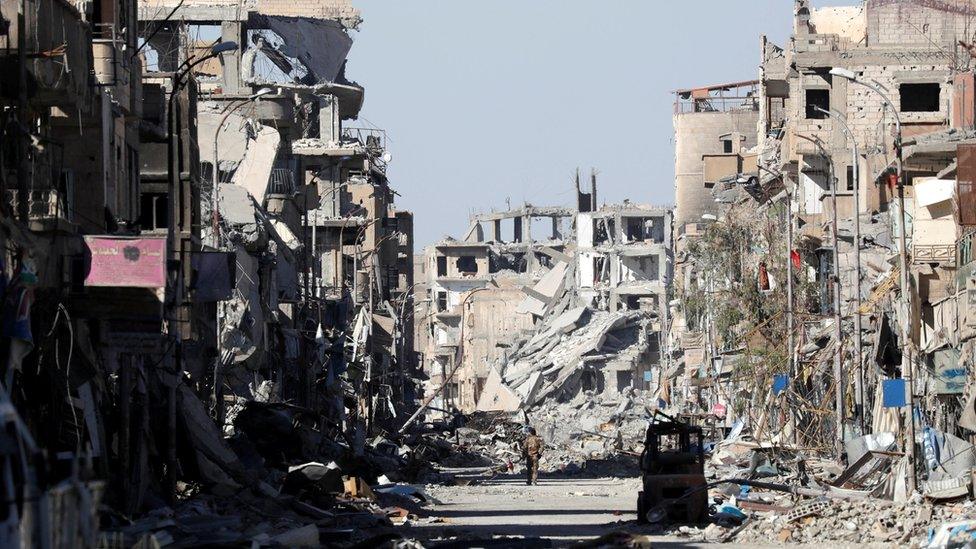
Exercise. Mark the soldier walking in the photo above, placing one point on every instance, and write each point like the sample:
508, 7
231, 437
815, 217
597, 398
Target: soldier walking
532, 451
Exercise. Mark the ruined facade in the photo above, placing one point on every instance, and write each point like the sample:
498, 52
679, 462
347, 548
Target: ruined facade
859, 168
522, 278
201, 235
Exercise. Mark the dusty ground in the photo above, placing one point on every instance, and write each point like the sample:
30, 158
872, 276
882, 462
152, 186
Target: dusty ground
564, 510
557, 508
559, 512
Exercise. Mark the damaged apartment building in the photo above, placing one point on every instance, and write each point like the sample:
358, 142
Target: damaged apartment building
837, 267
296, 201
196, 233
544, 301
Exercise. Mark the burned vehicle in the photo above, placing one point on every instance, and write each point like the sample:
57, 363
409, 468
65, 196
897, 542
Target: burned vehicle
672, 473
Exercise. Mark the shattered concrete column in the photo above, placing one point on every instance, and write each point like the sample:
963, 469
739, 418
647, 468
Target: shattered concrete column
232, 31
330, 191
329, 123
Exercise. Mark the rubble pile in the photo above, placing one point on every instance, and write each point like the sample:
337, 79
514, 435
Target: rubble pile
591, 431
839, 521
281, 479
549, 363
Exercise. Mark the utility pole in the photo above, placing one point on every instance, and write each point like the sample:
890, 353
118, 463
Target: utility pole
858, 344
23, 209
839, 376
790, 328
838, 334
907, 361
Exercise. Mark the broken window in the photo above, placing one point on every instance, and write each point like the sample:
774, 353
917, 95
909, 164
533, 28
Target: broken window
850, 178
625, 379
441, 301
727, 146
517, 229
817, 99
467, 265
920, 97
154, 211
441, 265
603, 230
640, 229
520, 263
599, 266
640, 268
634, 227
591, 380
825, 279
511, 262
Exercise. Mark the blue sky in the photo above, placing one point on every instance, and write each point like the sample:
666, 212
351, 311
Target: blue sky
485, 101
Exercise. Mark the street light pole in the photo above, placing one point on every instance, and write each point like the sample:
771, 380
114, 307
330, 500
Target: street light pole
174, 254
839, 376
907, 362
858, 344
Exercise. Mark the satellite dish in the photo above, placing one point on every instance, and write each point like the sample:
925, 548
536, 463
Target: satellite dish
387, 157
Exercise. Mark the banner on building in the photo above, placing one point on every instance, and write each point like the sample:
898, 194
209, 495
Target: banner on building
126, 262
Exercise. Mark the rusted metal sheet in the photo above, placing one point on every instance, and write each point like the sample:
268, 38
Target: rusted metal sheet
964, 101
966, 184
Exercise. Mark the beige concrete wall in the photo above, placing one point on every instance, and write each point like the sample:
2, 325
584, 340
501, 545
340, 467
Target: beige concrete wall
913, 24
490, 319
697, 134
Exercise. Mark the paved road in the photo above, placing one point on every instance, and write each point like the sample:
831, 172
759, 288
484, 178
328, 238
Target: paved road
563, 510
556, 508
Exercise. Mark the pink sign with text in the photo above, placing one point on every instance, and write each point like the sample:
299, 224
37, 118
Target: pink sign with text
127, 262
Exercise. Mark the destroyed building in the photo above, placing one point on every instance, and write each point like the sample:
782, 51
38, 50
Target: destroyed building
196, 234
513, 318
476, 289
794, 294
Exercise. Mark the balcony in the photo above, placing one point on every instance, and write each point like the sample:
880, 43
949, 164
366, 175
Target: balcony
47, 209
112, 67
734, 96
282, 182
944, 255
373, 140
964, 249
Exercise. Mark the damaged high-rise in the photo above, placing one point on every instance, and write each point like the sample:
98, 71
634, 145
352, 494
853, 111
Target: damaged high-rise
540, 302
200, 240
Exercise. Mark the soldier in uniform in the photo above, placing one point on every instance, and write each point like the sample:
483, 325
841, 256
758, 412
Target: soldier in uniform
532, 451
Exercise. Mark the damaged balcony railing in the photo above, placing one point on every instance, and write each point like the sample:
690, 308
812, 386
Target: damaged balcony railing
944, 255
43, 205
282, 182
735, 96
372, 138
964, 249
374, 141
